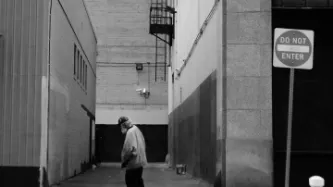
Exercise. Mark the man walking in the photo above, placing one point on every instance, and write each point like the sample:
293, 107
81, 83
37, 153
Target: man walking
133, 155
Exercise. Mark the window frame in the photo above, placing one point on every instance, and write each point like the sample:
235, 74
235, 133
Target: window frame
86, 77
77, 63
81, 72
2, 49
75, 49
80, 66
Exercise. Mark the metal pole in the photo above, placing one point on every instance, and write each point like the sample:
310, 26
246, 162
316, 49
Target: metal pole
156, 58
165, 58
148, 76
289, 132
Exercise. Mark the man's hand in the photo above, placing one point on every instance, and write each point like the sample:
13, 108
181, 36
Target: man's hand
130, 157
123, 165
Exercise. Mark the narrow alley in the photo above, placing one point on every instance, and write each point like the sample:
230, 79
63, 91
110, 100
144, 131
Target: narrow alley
239, 92
112, 176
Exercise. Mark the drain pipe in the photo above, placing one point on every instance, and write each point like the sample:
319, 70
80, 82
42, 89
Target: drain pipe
201, 31
223, 78
45, 120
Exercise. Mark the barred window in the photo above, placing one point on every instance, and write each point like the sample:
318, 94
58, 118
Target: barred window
80, 69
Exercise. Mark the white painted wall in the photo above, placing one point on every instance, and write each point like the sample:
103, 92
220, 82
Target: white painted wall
190, 17
149, 116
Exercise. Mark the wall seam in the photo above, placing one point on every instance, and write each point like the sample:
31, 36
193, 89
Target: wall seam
43, 175
224, 94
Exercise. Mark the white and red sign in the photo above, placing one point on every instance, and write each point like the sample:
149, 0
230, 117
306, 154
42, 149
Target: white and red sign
293, 48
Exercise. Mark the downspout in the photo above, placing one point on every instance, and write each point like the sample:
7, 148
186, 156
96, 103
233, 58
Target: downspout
224, 92
43, 174
199, 35
49, 79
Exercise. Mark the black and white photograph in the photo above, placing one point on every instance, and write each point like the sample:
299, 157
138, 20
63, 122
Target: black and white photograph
166, 93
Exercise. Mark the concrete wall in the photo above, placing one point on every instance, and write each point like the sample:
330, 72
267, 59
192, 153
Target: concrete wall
122, 29
149, 115
193, 131
248, 94
204, 59
193, 116
243, 121
77, 10
69, 127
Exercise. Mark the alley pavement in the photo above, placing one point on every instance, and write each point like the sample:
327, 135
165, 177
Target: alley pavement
113, 176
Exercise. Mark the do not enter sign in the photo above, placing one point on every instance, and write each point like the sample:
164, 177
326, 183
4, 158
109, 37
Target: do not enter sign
293, 48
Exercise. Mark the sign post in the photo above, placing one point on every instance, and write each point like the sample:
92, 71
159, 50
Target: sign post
293, 49
289, 130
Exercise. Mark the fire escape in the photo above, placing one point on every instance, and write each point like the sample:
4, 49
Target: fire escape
162, 27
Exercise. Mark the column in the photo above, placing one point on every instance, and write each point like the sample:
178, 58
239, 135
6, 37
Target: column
248, 94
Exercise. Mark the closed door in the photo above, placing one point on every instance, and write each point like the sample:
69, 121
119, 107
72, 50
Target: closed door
312, 140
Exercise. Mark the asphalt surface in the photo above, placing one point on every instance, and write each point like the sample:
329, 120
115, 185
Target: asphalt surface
111, 176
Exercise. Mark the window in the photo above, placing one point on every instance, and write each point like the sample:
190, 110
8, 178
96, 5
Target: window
80, 66
86, 77
77, 62
2, 51
80, 69
74, 61
84, 74
173, 77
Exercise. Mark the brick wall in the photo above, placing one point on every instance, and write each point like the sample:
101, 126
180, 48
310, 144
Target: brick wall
117, 85
122, 28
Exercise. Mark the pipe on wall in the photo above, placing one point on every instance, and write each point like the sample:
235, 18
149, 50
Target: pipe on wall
43, 176
202, 30
224, 90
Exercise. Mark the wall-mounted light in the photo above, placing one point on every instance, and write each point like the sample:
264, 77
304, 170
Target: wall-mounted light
139, 66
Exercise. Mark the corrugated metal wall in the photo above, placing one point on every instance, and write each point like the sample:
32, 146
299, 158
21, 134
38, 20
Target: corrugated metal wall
193, 126
21, 27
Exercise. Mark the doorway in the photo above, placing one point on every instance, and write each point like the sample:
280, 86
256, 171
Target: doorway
109, 142
312, 140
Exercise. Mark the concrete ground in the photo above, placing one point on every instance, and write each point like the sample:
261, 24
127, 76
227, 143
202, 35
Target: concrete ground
112, 176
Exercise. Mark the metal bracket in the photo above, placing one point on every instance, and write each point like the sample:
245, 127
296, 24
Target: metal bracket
168, 42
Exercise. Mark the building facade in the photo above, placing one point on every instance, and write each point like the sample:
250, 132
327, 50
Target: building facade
220, 104
228, 107
123, 43
48, 91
